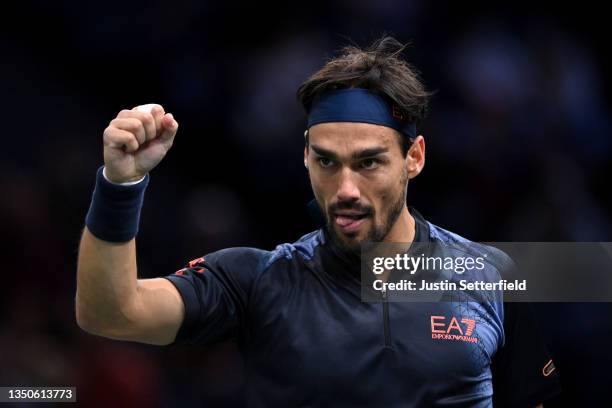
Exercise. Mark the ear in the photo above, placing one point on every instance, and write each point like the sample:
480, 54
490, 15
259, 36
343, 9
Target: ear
306, 148
415, 159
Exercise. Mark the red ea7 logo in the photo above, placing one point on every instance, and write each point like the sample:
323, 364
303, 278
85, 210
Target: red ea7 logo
454, 329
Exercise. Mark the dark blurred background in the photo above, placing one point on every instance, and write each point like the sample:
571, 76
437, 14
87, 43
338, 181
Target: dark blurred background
519, 149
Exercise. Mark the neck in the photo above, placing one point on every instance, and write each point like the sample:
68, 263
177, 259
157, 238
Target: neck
404, 228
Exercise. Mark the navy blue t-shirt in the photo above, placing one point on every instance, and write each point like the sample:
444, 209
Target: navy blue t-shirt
309, 340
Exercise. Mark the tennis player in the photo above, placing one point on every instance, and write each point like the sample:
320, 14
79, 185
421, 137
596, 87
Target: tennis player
296, 312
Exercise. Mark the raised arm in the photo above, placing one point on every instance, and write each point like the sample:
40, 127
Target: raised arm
110, 300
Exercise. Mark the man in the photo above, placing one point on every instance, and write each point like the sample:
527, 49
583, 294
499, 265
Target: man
296, 312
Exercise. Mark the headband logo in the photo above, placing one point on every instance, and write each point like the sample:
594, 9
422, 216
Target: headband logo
396, 113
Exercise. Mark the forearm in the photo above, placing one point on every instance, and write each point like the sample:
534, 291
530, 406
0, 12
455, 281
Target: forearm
110, 300
106, 284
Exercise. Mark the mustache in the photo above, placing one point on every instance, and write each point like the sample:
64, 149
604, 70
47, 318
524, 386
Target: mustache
346, 205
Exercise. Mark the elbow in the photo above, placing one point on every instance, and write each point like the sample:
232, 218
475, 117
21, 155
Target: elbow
86, 321
80, 316
91, 321
110, 324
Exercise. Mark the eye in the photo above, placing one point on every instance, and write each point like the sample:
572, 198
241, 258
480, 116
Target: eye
370, 164
325, 162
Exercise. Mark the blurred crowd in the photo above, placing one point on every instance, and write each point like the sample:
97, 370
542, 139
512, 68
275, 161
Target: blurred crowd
518, 149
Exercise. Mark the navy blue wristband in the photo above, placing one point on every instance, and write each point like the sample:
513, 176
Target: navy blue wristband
114, 213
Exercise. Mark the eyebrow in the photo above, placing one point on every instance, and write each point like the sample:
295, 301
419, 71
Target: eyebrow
361, 154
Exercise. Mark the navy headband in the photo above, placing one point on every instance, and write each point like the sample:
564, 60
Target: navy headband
358, 105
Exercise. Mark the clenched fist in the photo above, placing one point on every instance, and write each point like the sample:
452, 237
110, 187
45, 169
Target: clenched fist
136, 141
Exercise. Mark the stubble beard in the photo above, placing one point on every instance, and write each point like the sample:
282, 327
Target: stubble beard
376, 233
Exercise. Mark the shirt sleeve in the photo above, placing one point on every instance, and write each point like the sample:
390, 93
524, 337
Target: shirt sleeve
215, 289
523, 372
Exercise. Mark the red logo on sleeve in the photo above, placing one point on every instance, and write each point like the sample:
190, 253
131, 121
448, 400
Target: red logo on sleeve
196, 262
196, 265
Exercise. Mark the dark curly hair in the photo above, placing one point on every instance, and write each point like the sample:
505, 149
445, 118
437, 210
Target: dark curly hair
379, 68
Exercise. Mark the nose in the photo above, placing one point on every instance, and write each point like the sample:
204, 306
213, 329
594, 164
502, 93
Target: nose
348, 190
